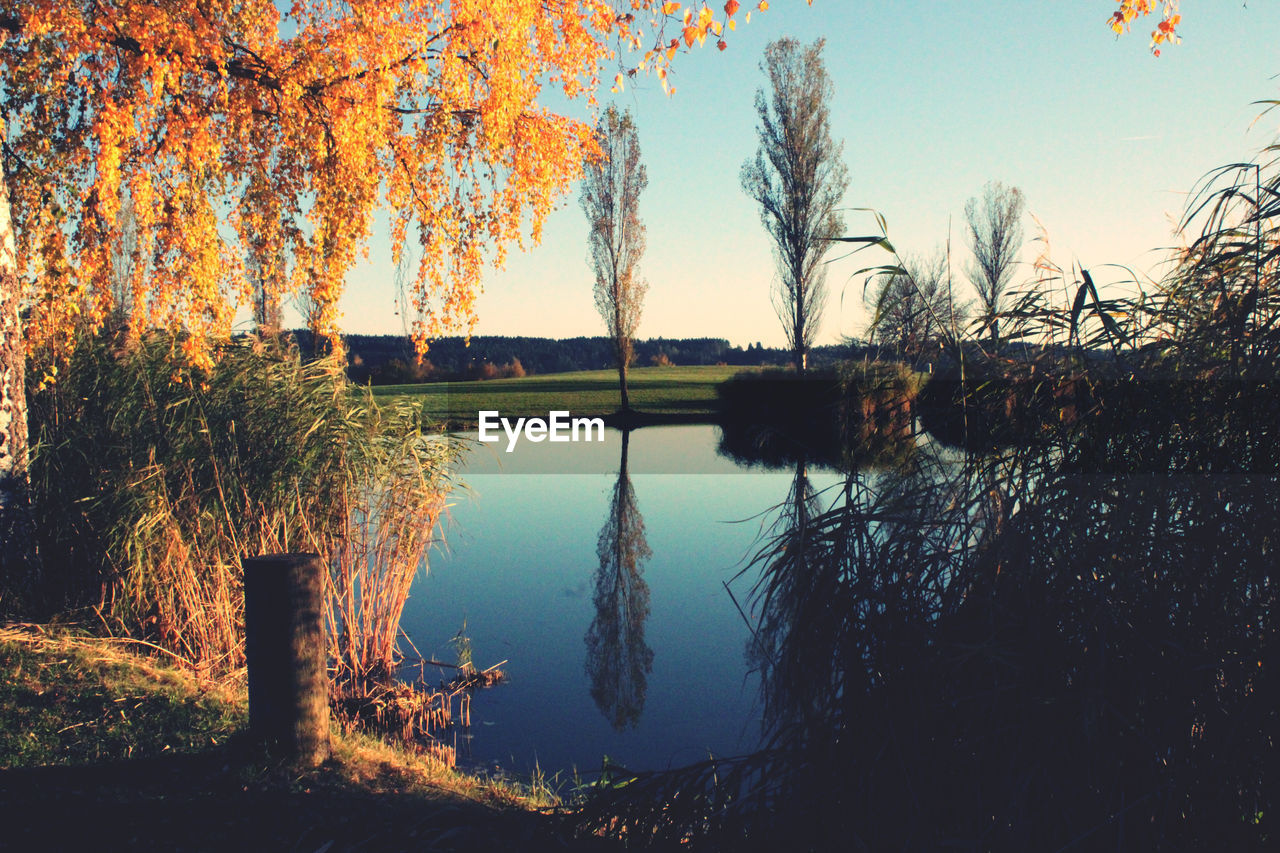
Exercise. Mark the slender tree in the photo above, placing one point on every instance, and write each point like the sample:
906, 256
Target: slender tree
17, 551
994, 226
611, 188
124, 257
267, 258
797, 178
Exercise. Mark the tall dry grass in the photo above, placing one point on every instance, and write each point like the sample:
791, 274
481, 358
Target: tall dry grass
383, 525
153, 480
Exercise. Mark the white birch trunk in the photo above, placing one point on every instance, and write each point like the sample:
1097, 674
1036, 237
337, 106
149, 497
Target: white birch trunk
16, 533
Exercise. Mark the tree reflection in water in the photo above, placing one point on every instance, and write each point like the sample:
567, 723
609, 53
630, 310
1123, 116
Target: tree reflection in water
1017, 650
1067, 645
618, 659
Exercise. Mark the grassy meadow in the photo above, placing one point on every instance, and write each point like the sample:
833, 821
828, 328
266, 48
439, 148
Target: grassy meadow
676, 391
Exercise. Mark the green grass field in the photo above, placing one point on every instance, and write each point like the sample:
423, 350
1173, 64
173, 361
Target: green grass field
667, 391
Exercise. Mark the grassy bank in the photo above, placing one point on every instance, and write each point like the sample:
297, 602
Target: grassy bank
675, 392
103, 749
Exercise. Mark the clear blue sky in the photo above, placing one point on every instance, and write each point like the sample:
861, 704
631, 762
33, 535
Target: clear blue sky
932, 99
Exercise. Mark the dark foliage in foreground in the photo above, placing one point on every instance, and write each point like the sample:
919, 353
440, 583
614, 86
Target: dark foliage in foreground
1049, 644
1011, 651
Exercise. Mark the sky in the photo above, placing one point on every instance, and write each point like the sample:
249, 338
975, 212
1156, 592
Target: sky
933, 98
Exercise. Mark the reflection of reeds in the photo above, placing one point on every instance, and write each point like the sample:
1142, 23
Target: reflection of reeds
1049, 645
998, 652
406, 711
413, 711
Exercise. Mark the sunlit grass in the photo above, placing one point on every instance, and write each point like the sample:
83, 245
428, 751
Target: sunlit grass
70, 699
679, 390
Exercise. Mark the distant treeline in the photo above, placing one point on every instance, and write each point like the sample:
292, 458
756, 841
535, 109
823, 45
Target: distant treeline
389, 359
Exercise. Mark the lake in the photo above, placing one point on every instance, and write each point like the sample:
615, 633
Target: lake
1019, 646
521, 567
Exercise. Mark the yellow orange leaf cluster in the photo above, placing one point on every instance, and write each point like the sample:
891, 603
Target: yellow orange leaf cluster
693, 24
169, 157
1166, 30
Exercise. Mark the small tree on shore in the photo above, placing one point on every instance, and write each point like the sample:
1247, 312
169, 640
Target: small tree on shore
611, 188
994, 227
914, 306
797, 178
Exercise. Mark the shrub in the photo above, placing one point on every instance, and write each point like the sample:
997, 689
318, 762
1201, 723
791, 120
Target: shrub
487, 370
779, 397
856, 415
482, 371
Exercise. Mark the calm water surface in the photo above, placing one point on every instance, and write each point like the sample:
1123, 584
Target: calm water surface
522, 569
1062, 645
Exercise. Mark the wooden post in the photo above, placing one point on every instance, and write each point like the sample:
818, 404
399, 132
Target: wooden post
286, 655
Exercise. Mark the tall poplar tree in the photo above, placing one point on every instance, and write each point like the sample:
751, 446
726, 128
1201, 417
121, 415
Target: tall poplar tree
610, 199
798, 179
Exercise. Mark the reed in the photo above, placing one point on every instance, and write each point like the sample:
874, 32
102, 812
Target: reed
152, 480
383, 523
1047, 644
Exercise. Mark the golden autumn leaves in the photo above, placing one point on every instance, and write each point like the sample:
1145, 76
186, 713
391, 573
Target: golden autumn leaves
258, 146
695, 24
1165, 31
255, 160
254, 147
